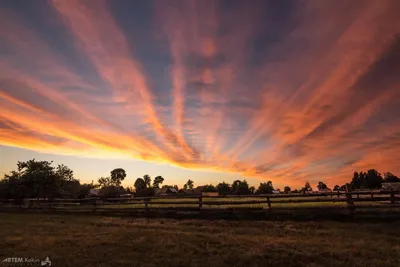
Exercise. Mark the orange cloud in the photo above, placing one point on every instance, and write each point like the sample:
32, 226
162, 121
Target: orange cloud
309, 95
109, 51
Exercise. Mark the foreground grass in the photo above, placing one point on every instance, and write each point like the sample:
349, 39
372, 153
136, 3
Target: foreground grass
103, 241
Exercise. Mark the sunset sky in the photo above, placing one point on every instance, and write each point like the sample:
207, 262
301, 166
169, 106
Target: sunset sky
286, 91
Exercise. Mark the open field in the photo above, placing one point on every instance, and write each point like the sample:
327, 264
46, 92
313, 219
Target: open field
105, 241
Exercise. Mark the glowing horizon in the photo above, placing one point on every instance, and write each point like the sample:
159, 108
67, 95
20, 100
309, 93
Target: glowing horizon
286, 92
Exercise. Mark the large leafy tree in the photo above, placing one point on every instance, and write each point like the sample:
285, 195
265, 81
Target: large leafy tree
265, 188
366, 180
321, 186
224, 188
286, 189
157, 181
391, 178
240, 187
189, 184
117, 176
307, 187
147, 180
39, 179
209, 188
140, 184
235, 186
373, 179
356, 182
252, 189
104, 182
336, 188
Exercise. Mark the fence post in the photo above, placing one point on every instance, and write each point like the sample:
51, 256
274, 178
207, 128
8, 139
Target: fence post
349, 199
200, 202
392, 198
350, 202
146, 202
94, 204
269, 202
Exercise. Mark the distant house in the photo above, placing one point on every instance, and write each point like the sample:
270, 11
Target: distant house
168, 191
94, 192
276, 191
157, 191
186, 192
391, 186
198, 190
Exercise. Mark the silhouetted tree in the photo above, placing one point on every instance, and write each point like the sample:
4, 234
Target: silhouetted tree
157, 181
69, 186
336, 188
345, 187
139, 184
286, 189
84, 190
145, 192
224, 188
265, 188
209, 188
117, 176
321, 186
307, 187
39, 179
366, 180
391, 178
252, 189
147, 180
235, 186
64, 173
374, 179
112, 191
189, 184
104, 182
240, 187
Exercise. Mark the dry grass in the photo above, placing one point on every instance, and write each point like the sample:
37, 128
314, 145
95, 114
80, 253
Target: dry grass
104, 241
156, 203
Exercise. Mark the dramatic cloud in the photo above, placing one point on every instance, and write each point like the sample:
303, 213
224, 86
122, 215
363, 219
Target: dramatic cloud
273, 90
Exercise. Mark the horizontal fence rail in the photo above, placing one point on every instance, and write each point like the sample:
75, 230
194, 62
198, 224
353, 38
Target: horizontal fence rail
376, 199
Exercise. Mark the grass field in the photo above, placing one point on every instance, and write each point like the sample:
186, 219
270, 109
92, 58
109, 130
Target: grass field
228, 202
104, 241
156, 203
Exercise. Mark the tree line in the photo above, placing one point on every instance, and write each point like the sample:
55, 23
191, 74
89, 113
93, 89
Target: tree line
39, 179
370, 179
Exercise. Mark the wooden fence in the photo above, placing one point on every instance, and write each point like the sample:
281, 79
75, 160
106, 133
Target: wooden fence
351, 200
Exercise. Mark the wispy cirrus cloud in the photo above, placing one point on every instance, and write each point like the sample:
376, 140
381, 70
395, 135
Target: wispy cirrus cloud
311, 94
